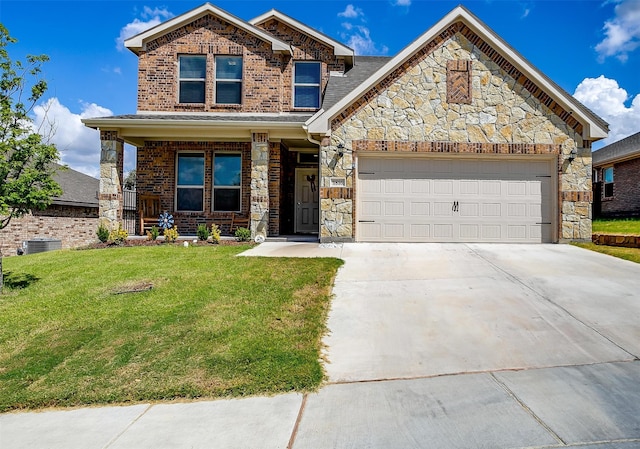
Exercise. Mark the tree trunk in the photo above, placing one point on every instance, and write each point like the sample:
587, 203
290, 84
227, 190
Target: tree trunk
1, 277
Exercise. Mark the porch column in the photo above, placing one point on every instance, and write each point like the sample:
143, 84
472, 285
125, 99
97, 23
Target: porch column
259, 184
111, 178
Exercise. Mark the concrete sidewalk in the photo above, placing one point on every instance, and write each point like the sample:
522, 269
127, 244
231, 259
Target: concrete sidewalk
433, 345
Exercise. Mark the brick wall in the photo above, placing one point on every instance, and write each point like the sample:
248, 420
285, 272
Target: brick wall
626, 190
75, 226
267, 78
156, 163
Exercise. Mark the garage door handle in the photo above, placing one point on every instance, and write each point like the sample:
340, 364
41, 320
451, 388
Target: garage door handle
455, 207
545, 222
366, 221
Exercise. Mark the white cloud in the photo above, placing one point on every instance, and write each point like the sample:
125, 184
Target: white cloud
351, 12
402, 2
78, 145
358, 36
150, 18
607, 99
622, 31
361, 42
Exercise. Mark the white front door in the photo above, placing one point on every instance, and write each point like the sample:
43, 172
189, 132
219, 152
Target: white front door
307, 213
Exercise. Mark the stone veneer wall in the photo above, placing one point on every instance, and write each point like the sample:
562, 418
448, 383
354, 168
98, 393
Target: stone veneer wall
410, 106
74, 226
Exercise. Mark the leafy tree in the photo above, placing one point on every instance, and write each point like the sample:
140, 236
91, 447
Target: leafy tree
130, 180
27, 161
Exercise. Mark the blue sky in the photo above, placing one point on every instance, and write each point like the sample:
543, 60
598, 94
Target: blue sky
590, 48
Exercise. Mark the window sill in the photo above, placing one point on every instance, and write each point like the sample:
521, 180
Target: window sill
305, 109
227, 106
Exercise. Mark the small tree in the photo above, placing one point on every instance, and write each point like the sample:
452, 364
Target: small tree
27, 162
130, 180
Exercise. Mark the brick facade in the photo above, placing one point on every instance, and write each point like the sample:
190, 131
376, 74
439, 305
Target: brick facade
74, 226
626, 190
156, 174
267, 82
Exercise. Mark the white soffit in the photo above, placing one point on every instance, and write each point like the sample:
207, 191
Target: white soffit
594, 127
137, 43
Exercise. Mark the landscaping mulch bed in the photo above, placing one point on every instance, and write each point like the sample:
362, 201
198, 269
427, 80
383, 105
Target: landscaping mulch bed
180, 242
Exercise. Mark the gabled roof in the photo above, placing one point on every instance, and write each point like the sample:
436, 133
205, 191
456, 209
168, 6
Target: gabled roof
78, 189
622, 150
138, 42
593, 127
339, 49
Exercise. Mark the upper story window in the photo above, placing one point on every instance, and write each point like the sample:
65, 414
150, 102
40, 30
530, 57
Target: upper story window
193, 74
228, 79
306, 84
607, 178
227, 182
190, 182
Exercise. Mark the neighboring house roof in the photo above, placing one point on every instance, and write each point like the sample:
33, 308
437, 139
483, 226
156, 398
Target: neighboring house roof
622, 150
340, 86
594, 127
78, 189
138, 42
339, 49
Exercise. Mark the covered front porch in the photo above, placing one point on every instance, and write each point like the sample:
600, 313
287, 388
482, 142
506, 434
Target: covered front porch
266, 180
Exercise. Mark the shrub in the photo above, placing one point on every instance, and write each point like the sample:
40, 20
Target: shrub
103, 233
153, 233
215, 233
243, 234
203, 232
171, 234
118, 236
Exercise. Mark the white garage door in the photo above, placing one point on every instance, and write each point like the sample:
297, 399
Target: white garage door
454, 200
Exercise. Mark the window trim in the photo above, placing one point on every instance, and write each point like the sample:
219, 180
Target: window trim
216, 80
214, 187
190, 186
203, 80
606, 183
318, 85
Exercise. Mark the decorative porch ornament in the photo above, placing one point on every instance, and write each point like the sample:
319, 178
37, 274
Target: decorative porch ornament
312, 182
165, 220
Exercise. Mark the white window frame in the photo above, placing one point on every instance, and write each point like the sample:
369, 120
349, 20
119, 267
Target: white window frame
203, 80
189, 186
214, 187
215, 84
318, 85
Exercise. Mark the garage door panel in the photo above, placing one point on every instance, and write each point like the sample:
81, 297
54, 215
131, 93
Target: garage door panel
394, 208
420, 209
448, 200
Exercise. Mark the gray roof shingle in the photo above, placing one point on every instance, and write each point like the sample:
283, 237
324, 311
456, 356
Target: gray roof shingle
622, 149
340, 86
281, 118
78, 189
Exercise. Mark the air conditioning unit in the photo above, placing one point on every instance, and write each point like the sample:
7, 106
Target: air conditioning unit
41, 245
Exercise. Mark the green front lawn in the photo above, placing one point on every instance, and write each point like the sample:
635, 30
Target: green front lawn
616, 226
158, 323
632, 254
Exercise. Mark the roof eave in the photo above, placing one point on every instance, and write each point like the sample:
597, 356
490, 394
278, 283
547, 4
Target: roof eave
138, 42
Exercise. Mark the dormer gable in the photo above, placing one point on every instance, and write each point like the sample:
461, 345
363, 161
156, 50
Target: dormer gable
339, 49
137, 43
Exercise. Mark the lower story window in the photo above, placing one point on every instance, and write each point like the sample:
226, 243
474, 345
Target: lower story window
607, 178
227, 182
190, 182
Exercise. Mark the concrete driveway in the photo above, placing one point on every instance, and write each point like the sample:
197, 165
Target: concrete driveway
407, 310
437, 346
